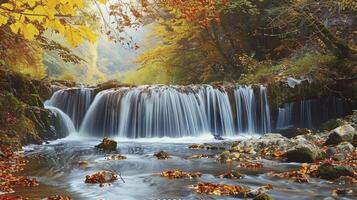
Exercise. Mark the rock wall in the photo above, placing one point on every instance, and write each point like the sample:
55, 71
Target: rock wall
22, 115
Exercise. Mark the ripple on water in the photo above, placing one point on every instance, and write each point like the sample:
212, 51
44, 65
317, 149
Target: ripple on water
56, 166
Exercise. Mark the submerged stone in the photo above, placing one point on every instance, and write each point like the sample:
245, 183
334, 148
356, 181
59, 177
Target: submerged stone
263, 196
330, 172
107, 144
162, 155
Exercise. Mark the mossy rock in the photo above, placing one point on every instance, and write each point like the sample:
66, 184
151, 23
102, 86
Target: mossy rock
331, 172
32, 99
303, 154
263, 196
340, 134
107, 145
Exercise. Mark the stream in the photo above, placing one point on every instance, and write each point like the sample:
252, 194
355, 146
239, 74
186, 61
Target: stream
56, 166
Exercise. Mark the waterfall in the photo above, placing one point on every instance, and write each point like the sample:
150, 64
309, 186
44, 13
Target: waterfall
285, 117
165, 111
65, 123
310, 113
74, 102
157, 111
253, 113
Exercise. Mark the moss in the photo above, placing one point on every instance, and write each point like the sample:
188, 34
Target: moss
330, 172
32, 99
310, 64
27, 121
302, 155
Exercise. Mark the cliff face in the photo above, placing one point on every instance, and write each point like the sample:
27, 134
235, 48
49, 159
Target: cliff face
23, 117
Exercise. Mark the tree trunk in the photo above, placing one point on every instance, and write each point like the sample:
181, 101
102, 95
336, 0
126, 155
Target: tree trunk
340, 49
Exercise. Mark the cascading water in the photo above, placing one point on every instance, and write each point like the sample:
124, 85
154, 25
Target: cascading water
157, 111
311, 113
171, 111
74, 102
285, 117
65, 123
253, 113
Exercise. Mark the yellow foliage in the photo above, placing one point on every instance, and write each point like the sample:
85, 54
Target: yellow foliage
33, 17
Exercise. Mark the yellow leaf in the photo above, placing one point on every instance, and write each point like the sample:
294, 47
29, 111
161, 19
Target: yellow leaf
39, 10
31, 3
30, 31
3, 20
67, 9
73, 36
17, 27
88, 34
8, 6
52, 3
55, 25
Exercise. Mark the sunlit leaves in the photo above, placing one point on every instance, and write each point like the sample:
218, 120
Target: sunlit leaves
30, 18
30, 31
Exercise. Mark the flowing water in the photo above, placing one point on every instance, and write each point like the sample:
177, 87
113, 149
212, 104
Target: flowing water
147, 119
56, 166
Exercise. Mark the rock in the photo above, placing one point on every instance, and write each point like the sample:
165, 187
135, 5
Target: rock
341, 134
218, 137
330, 152
304, 153
338, 157
331, 172
331, 124
107, 144
354, 141
162, 155
232, 175
342, 192
345, 180
345, 147
263, 196
293, 132
101, 177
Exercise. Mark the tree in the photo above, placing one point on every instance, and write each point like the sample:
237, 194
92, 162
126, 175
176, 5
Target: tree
297, 16
31, 18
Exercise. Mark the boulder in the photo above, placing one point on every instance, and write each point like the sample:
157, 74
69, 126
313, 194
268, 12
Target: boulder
331, 172
107, 145
304, 152
293, 132
345, 147
341, 134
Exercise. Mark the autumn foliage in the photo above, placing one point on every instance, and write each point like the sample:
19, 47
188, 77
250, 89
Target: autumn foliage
11, 163
177, 174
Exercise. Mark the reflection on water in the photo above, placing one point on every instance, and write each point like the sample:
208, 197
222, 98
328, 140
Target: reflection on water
56, 166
